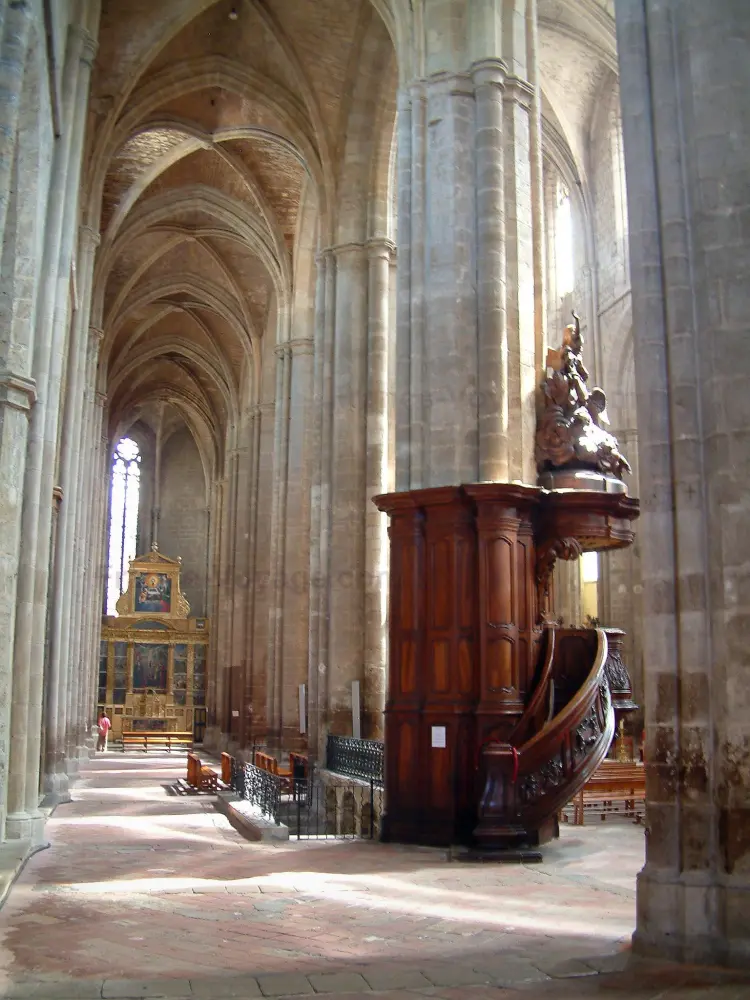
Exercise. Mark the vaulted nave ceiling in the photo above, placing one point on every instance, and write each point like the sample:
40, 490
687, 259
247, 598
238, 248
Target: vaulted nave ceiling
210, 134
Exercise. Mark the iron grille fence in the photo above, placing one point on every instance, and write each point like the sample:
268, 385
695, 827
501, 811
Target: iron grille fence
258, 787
315, 810
361, 759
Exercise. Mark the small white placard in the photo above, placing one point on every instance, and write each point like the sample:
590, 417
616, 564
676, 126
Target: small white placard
438, 736
235, 714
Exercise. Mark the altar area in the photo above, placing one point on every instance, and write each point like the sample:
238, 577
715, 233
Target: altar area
153, 655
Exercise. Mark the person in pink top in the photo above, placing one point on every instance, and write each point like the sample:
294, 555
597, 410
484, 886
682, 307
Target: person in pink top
104, 727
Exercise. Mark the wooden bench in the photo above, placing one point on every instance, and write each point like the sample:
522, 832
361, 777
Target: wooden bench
200, 777
297, 770
266, 762
147, 739
612, 782
226, 768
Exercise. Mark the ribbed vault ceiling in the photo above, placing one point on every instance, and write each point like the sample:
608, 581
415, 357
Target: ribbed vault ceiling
207, 134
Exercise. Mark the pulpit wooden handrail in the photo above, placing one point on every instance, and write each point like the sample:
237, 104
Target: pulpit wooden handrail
534, 781
536, 712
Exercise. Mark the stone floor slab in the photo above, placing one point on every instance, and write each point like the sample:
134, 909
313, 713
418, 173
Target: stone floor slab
454, 975
120, 989
225, 988
394, 978
72, 989
283, 984
338, 982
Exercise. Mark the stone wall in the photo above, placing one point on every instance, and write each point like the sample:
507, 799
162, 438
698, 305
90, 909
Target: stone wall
183, 521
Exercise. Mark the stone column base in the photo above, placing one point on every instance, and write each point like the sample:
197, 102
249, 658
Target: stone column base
693, 918
56, 786
26, 826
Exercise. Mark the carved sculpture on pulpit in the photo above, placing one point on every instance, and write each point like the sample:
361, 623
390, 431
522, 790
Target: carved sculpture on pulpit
570, 434
153, 655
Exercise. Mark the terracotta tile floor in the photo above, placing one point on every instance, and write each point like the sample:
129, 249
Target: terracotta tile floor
144, 894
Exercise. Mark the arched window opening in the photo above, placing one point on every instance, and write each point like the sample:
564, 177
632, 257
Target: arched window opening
564, 244
124, 493
590, 584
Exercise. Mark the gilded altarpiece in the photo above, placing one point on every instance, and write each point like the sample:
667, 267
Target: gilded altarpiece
153, 655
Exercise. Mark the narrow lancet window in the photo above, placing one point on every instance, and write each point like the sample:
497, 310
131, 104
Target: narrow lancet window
123, 518
564, 249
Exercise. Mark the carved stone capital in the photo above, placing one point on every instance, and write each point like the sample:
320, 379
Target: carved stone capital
489, 72
17, 391
520, 91
89, 45
323, 255
348, 250
301, 346
380, 247
90, 238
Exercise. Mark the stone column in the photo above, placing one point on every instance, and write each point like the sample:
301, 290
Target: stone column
24, 819
294, 636
93, 534
345, 580
240, 570
450, 359
15, 26
79, 653
684, 78
376, 528
17, 396
471, 289
492, 408
275, 659
322, 415
63, 671
225, 605
213, 685
406, 423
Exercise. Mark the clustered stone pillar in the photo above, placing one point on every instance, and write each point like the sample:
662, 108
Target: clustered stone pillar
15, 26
348, 552
380, 255
52, 335
63, 669
471, 294
296, 590
684, 77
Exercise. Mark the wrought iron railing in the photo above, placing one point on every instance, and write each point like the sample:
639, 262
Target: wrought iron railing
361, 759
342, 811
258, 787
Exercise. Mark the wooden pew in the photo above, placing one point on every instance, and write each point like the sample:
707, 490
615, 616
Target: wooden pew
226, 768
298, 768
613, 782
200, 777
151, 739
266, 762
